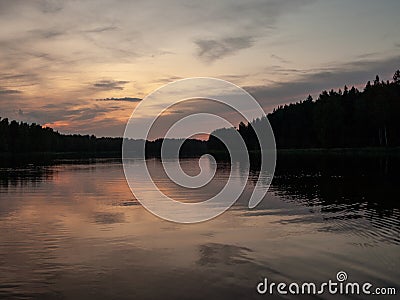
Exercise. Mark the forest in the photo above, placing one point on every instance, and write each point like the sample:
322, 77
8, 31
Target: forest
20, 137
347, 118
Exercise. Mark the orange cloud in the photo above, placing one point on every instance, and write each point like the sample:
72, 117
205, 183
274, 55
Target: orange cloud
56, 124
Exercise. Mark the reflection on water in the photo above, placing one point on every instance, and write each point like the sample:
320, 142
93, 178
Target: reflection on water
22, 176
351, 192
211, 254
72, 229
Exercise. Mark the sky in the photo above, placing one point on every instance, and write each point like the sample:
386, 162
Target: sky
83, 66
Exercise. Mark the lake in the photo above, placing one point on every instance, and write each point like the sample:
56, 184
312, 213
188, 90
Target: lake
71, 229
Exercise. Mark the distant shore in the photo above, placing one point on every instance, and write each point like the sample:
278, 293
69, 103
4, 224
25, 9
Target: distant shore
342, 151
288, 150
118, 154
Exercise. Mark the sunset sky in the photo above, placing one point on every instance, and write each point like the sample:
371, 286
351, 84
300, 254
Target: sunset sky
82, 66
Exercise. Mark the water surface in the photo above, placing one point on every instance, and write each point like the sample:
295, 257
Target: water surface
73, 230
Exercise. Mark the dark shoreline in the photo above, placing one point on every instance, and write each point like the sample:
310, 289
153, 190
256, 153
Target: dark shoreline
118, 154
39, 158
51, 158
342, 151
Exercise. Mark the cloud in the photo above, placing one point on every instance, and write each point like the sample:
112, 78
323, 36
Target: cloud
127, 99
9, 92
315, 81
167, 79
280, 59
49, 47
69, 117
46, 34
237, 25
101, 29
211, 50
16, 80
132, 29
43, 6
50, 6
110, 85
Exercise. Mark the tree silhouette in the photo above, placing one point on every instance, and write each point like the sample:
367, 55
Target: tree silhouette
396, 77
336, 119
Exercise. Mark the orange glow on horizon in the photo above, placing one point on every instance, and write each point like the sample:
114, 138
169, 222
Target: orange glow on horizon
56, 124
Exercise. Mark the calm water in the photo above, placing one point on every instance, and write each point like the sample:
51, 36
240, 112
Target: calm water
73, 230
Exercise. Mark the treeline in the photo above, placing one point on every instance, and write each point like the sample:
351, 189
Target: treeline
20, 137
346, 118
